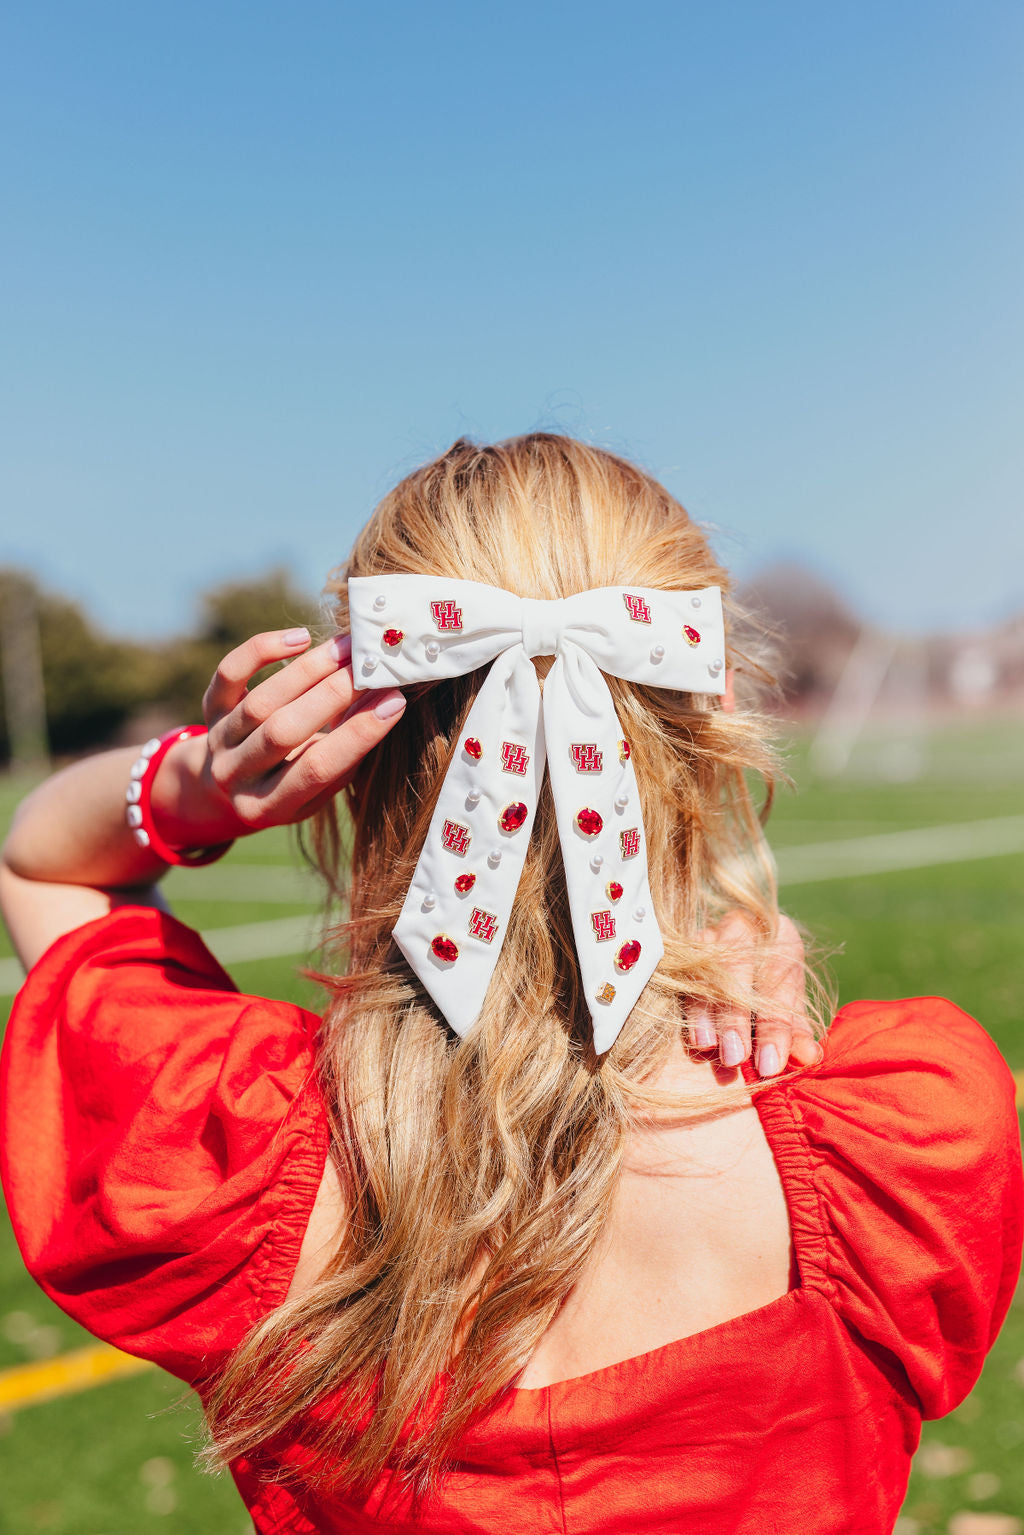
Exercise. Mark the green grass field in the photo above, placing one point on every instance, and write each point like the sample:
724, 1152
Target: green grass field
116, 1460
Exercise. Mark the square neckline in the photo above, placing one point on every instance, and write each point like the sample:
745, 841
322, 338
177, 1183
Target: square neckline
793, 1163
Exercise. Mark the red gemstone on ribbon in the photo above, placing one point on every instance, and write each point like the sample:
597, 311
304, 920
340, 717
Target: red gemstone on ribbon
445, 948
613, 890
393, 638
513, 816
627, 956
471, 746
691, 635
465, 882
589, 822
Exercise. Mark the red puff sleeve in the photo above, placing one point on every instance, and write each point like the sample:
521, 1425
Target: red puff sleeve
913, 1121
163, 1141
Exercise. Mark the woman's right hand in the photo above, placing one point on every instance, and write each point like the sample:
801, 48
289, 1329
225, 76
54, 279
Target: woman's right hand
276, 752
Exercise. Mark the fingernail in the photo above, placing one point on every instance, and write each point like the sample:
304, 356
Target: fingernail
767, 1060
391, 704
295, 637
701, 1032
732, 1048
341, 645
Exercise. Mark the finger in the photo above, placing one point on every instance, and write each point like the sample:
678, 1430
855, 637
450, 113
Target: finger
328, 763
229, 682
773, 1046
285, 686
733, 1028
700, 1030
781, 984
731, 1022
782, 977
806, 1049
266, 746
787, 1027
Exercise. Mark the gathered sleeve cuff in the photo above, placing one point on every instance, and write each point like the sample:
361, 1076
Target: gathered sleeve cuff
163, 1140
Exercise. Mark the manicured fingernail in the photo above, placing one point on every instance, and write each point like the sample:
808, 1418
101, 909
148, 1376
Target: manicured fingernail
391, 704
732, 1048
767, 1060
701, 1032
295, 637
341, 645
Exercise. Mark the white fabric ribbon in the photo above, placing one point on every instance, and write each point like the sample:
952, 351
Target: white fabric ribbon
420, 628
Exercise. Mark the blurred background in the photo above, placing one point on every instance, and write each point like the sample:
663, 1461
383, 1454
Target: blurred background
259, 261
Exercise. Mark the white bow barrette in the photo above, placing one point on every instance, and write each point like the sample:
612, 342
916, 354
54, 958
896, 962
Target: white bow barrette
409, 628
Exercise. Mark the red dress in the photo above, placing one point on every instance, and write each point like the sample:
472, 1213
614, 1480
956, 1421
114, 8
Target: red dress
165, 1141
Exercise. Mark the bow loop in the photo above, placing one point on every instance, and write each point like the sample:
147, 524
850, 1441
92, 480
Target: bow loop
452, 926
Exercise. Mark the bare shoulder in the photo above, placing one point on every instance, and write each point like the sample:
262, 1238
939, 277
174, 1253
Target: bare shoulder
321, 1239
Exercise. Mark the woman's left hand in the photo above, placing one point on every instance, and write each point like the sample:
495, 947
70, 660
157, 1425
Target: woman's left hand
777, 1035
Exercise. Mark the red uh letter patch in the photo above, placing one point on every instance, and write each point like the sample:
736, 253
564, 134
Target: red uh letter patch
446, 615
629, 841
604, 925
483, 924
455, 837
513, 758
637, 608
587, 757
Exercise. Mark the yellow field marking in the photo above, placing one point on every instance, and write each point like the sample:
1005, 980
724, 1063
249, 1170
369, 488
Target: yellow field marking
80, 1370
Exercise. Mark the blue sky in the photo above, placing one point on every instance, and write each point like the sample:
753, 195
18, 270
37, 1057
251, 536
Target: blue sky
259, 260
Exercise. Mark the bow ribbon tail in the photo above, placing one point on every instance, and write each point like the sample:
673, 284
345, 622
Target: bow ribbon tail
456, 911
603, 843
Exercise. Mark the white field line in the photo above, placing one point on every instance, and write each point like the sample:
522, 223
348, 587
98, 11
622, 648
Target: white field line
885, 852
245, 882
274, 939
882, 853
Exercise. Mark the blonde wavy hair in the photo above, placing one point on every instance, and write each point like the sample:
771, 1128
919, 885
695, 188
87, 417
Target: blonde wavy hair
476, 1174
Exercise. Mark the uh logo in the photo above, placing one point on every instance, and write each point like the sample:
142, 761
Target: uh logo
446, 615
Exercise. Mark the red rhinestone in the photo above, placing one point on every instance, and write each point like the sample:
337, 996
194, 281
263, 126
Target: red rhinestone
471, 746
691, 636
589, 822
393, 638
465, 882
624, 751
613, 890
445, 948
627, 956
513, 816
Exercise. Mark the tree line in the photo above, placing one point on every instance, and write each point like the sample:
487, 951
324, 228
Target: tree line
90, 685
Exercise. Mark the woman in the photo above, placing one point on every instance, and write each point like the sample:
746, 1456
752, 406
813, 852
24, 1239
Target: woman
518, 1236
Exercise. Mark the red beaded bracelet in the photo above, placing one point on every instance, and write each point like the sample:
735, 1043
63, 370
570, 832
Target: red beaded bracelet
139, 813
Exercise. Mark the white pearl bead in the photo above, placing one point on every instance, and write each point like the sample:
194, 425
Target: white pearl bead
433, 650
473, 798
139, 767
621, 801
151, 746
715, 668
141, 836
695, 602
429, 901
133, 793
596, 862
133, 815
370, 664
658, 653
640, 914
380, 602
494, 857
